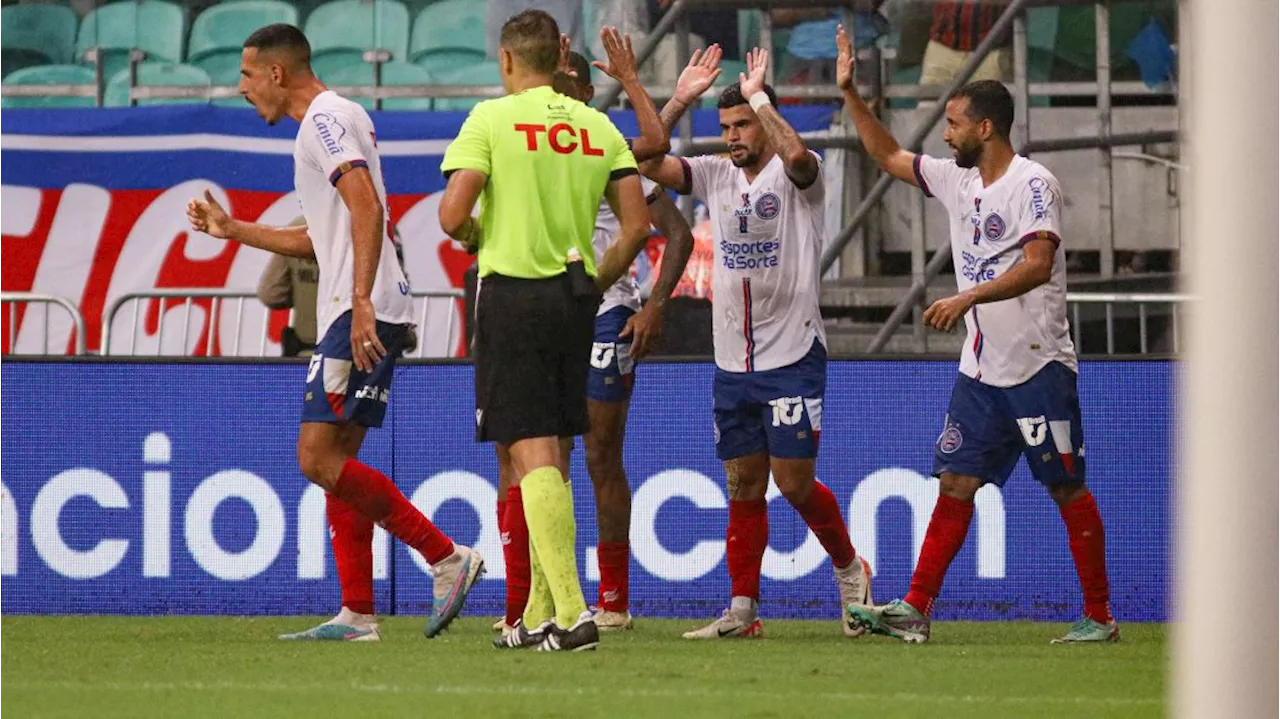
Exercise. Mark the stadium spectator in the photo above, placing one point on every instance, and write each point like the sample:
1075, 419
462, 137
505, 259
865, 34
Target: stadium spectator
811, 47
292, 283
959, 26
567, 14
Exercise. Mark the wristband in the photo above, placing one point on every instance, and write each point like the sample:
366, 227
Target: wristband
758, 100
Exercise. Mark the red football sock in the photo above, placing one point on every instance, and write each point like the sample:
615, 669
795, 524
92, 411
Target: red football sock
515, 551
375, 496
746, 539
1089, 550
613, 558
942, 541
821, 511
502, 515
352, 537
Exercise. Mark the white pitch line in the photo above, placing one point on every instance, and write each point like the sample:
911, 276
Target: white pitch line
534, 690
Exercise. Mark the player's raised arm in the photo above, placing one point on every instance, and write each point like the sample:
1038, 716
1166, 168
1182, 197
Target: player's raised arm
653, 142
208, 216
626, 199
802, 167
697, 77
885, 150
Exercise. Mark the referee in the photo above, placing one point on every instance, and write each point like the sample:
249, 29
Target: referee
539, 162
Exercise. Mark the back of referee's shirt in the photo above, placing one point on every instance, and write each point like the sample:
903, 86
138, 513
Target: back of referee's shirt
548, 158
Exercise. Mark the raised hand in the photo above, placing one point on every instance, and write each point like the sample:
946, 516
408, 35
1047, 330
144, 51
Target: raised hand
845, 63
753, 80
699, 75
622, 59
565, 46
208, 216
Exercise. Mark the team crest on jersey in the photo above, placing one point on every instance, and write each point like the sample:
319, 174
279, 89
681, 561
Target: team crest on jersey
768, 206
993, 227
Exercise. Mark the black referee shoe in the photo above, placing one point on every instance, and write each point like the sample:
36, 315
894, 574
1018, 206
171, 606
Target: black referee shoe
520, 637
582, 636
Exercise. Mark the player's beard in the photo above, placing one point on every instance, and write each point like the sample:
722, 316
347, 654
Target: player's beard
747, 160
968, 155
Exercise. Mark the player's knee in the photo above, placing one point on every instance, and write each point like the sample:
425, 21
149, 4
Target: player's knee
957, 486
1064, 494
795, 489
318, 463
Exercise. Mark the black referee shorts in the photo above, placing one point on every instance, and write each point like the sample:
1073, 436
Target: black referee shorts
532, 358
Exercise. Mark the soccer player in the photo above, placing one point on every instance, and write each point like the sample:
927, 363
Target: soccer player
766, 206
1016, 391
538, 162
623, 333
363, 312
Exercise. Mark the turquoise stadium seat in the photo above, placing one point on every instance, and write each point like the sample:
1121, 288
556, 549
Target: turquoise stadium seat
219, 34
448, 35
393, 74
341, 31
156, 27
156, 74
483, 73
49, 75
36, 35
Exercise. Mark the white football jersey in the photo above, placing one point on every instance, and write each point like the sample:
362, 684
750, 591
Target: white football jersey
626, 291
1009, 341
335, 136
768, 252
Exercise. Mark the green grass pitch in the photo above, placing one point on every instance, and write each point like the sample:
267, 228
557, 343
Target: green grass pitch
233, 667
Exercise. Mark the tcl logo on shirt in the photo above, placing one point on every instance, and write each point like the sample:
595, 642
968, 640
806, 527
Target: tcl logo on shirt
562, 137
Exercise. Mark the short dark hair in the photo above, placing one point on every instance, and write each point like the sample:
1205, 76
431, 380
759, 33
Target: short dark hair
732, 96
281, 36
534, 37
989, 100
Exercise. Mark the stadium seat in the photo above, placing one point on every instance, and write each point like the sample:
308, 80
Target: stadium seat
448, 35
156, 27
157, 74
219, 34
341, 31
36, 35
49, 75
393, 73
482, 73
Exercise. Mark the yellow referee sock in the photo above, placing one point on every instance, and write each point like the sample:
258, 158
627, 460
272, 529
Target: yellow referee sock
540, 606
548, 510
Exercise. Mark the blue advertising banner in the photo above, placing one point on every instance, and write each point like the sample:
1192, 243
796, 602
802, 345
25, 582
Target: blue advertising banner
173, 488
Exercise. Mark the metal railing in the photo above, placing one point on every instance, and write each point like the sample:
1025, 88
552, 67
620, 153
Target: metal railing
213, 343
456, 298
13, 299
187, 298
1138, 302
